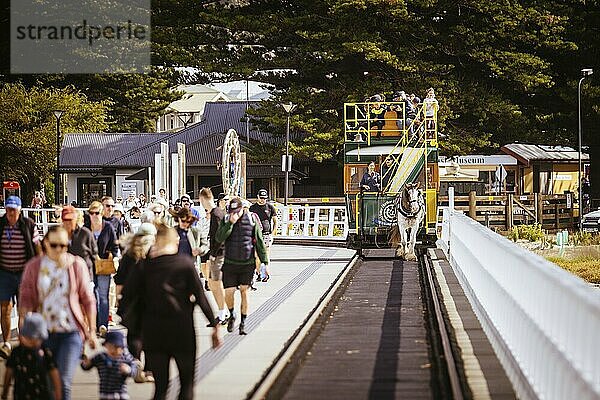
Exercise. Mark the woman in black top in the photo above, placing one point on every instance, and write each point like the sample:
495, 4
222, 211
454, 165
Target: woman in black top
169, 288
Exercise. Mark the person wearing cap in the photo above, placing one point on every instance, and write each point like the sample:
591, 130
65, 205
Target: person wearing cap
32, 366
81, 239
268, 219
136, 250
114, 365
57, 285
242, 235
216, 253
19, 242
377, 113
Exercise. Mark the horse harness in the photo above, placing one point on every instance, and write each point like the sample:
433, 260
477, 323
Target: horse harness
407, 214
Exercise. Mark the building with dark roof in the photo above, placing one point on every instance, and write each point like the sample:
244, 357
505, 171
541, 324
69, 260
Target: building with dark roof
97, 164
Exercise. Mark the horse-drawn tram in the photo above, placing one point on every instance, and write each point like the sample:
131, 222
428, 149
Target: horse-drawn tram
391, 174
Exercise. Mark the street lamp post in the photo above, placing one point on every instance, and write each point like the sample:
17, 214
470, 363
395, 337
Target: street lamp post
289, 108
58, 114
585, 72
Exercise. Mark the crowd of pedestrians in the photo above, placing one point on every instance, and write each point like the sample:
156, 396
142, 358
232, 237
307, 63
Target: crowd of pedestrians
62, 287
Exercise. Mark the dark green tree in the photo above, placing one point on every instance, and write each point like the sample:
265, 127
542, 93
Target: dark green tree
491, 62
136, 100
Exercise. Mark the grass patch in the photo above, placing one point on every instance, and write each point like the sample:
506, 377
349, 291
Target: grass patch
586, 267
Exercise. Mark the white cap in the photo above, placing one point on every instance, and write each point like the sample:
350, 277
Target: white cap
119, 207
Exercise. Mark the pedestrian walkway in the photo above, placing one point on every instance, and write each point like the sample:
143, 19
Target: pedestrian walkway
300, 275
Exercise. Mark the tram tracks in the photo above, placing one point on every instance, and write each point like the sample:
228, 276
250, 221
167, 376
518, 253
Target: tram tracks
446, 377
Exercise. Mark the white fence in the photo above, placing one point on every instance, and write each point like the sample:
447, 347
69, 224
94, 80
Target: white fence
542, 321
294, 221
312, 222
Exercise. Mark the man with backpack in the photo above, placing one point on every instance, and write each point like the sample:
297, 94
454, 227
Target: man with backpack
268, 218
242, 235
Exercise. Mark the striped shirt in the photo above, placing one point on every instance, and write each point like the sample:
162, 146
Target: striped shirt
113, 384
12, 248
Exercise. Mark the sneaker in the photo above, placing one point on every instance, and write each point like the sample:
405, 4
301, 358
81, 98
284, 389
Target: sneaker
5, 350
242, 330
231, 323
102, 331
206, 288
140, 375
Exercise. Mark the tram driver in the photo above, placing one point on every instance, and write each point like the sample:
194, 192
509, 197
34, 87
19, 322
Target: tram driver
371, 180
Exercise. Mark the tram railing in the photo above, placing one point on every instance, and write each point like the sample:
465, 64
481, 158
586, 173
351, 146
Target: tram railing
541, 320
295, 221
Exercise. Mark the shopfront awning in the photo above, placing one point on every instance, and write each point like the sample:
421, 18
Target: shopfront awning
141, 175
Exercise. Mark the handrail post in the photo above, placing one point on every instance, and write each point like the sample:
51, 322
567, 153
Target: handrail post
509, 212
451, 198
472, 205
539, 201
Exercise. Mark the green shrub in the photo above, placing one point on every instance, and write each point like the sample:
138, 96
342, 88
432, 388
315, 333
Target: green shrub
532, 233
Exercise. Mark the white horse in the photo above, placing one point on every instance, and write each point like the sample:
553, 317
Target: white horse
410, 209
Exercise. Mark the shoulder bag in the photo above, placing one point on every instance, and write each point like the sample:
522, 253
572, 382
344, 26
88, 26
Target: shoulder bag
105, 266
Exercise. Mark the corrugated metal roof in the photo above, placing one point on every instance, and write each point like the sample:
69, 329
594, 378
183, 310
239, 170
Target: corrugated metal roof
98, 149
138, 149
527, 153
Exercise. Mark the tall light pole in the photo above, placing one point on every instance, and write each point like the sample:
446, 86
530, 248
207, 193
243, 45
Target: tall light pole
585, 72
58, 114
286, 164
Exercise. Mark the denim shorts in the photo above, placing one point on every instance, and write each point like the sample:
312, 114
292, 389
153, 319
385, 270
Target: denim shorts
9, 284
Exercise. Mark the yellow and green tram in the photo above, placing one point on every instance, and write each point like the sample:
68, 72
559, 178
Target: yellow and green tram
376, 132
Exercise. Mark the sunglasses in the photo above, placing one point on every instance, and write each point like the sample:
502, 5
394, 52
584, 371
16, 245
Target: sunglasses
94, 212
157, 212
109, 205
58, 245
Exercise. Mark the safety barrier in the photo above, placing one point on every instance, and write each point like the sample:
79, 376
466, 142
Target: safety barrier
541, 320
312, 222
295, 221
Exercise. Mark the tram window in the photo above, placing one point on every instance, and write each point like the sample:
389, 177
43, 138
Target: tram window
354, 174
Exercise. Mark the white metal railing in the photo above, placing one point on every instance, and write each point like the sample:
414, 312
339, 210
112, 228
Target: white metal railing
312, 222
294, 221
43, 217
542, 321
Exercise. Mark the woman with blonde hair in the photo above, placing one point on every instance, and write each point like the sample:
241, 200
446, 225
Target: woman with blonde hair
136, 250
168, 288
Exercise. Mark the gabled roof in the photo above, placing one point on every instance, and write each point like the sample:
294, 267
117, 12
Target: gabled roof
527, 153
196, 102
138, 149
